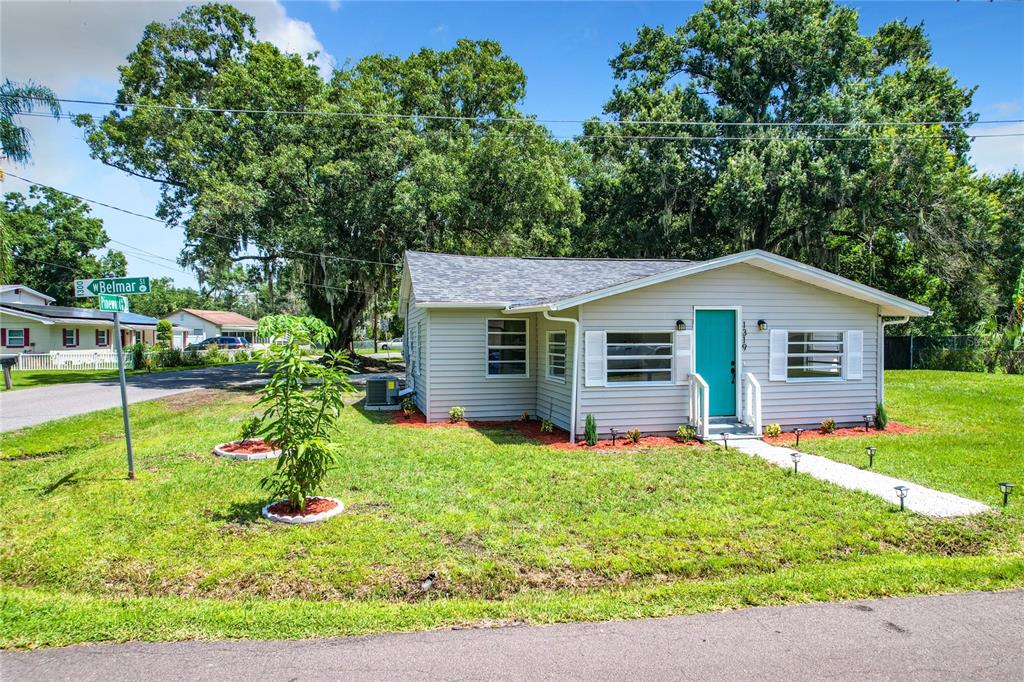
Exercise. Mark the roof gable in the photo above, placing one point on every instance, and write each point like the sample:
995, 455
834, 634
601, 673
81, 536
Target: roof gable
220, 318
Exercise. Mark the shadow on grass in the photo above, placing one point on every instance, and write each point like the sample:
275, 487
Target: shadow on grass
68, 479
240, 513
33, 456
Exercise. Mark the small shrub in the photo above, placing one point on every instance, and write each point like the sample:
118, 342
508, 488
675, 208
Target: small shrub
881, 417
773, 430
139, 360
250, 428
193, 358
525, 416
214, 354
686, 433
241, 355
408, 406
456, 414
164, 333
633, 436
828, 425
590, 430
170, 357
546, 426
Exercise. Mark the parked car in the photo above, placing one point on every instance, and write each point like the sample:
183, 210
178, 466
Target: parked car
393, 344
222, 342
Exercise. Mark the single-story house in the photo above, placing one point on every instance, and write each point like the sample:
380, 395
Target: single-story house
42, 328
726, 344
203, 324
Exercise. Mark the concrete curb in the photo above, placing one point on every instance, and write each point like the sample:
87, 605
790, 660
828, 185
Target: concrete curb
312, 518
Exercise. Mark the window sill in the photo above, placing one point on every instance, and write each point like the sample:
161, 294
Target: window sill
633, 384
813, 380
556, 380
506, 377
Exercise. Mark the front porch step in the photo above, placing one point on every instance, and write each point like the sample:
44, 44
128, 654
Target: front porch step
717, 428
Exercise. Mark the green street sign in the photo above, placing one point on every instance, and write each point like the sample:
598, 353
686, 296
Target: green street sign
121, 286
113, 304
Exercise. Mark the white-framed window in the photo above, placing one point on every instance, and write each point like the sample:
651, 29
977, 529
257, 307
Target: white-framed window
556, 356
70, 338
639, 357
198, 331
102, 337
508, 345
15, 338
814, 355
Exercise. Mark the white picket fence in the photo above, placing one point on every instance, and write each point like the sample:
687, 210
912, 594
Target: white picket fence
71, 360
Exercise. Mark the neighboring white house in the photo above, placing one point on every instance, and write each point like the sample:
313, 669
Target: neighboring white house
726, 345
202, 324
29, 324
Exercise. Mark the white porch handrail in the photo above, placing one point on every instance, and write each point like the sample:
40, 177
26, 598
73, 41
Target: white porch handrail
699, 407
752, 403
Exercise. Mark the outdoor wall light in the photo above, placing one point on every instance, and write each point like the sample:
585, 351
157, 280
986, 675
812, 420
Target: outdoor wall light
761, 325
1005, 488
796, 460
680, 325
901, 492
871, 456
798, 432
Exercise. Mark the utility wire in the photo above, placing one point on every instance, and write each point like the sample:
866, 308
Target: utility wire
701, 138
507, 119
210, 232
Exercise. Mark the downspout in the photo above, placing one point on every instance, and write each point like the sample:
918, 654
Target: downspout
881, 353
575, 369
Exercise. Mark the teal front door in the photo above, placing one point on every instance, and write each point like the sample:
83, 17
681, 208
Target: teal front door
716, 358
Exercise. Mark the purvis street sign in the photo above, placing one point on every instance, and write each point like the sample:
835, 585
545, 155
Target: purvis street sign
113, 304
121, 286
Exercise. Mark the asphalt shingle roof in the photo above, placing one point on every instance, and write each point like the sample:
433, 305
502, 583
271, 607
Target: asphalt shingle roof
446, 278
60, 312
223, 318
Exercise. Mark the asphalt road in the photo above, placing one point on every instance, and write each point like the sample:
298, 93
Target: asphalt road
968, 636
31, 406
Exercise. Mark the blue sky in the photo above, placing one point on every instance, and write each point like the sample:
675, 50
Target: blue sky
563, 47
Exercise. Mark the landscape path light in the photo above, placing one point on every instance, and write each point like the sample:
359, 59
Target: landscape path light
867, 422
871, 456
798, 431
901, 492
1005, 488
796, 459
725, 439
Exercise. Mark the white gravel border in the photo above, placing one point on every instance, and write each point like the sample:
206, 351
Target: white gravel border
311, 518
221, 452
919, 499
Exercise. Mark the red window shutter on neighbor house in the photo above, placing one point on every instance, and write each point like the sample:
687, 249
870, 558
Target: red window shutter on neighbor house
25, 331
97, 332
76, 336
3, 337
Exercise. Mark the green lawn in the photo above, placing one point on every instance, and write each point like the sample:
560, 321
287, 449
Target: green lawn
971, 433
515, 532
33, 378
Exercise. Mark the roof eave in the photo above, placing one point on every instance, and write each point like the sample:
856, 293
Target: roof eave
28, 316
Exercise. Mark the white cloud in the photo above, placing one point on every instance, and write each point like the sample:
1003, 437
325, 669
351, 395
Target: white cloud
75, 49
1007, 108
997, 155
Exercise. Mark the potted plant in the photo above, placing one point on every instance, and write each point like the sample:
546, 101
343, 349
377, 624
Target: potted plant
301, 403
249, 445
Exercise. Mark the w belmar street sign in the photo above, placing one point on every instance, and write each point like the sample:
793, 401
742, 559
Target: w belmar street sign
120, 286
111, 292
113, 304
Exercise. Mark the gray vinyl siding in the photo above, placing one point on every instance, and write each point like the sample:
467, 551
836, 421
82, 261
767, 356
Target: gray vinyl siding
783, 302
457, 360
554, 397
415, 316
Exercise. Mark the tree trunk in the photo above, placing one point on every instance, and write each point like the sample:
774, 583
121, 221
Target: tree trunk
339, 310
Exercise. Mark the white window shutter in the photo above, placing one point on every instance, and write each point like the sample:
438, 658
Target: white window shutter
779, 340
596, 362
855, 354
684, 356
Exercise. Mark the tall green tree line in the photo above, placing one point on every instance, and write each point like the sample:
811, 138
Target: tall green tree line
325, 204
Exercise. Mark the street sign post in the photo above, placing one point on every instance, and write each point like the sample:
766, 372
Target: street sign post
113, 304
112, 292
121, 286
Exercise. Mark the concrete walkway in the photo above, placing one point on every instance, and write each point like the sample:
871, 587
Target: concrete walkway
919, 499
955, 637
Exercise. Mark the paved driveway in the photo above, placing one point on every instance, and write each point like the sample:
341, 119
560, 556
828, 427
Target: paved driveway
31, 406
967, 636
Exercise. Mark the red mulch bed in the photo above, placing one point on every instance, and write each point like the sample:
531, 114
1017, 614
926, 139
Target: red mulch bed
253, 446
848, 432
558, 439
314, 505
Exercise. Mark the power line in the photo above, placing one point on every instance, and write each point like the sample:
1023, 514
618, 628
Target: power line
697, 138
514, 119
210, 232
